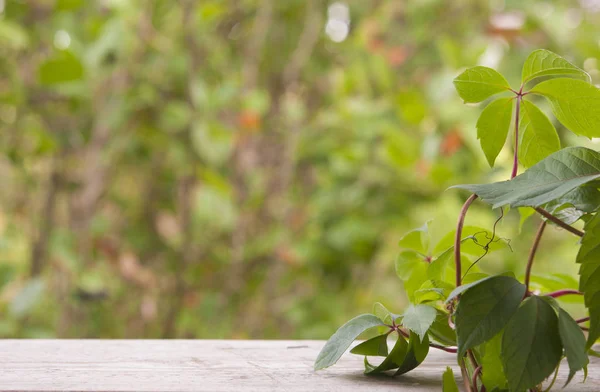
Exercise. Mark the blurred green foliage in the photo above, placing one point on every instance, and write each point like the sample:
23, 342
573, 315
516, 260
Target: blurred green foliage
245, 168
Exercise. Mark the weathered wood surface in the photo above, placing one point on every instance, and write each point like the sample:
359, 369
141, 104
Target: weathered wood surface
208, 365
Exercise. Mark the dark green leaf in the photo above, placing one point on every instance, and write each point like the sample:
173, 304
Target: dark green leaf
393, 360
484, 309
449, 383
543, 62
575, 103
531, 347
339, 342
440, 330
419, 318
573, 341
376, 346
479, 83
537, 135
548, 180
492, 127
417, 351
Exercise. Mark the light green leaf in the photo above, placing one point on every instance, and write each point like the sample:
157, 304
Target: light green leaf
449, 383
543, 62
419, 318
492, 127
339, 342
417, 239
548, 180
62, 67
537, 135
491, 361
573, 341
575, 103
479, 83
484, 309
376, 346
531, 347
381, 312
411, 267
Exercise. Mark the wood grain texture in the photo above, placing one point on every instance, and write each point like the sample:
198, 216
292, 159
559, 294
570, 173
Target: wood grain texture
209, 365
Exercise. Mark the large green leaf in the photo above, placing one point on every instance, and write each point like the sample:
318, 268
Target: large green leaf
419, 318
543, 62
376, 346
339, 342
531, 347
484, 309
417, 351
492, 127
538, 137
479, 83
573, 341
574, 204
448, 381
548, 180
589, 274
575, 103
491, 360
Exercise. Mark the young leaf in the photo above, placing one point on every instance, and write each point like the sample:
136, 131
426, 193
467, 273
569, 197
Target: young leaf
485, 309
492, 127
339, 342
548, 180
493, 376
417, 239
589, 274
543, 62
376, 346
573, 341
449, 383
383, 314
575, 103
479, 83
419, 318
411, 267
538, 137
531, 347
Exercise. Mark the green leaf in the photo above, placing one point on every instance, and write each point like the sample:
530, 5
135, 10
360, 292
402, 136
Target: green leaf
440, 330
417, 239
589, 274
543, 62
484, 309
62, 67
417, 351
479, 83
448, 381
393, 360
461, 289
538, 137
573, 341
492, 127
411, 267
381, 312
491, 361
339, 342
531, 347
376, 346
548, 180
575, 103
419, 318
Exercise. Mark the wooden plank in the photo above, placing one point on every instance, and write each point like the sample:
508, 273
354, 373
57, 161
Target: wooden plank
208, 365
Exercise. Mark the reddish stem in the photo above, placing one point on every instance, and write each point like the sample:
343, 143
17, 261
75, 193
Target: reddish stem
582, 320
558, 222
476, 373
458, 236
452, 350
536, 242
516, 156
560, 293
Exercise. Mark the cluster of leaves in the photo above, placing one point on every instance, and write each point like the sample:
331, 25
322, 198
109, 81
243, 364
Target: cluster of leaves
506, 337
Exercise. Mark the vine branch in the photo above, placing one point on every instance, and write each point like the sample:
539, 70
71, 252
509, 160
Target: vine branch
457, 238
536, 242
558, 222
516, 156
560, 293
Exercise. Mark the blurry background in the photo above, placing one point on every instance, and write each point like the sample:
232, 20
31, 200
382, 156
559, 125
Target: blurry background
245, 168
